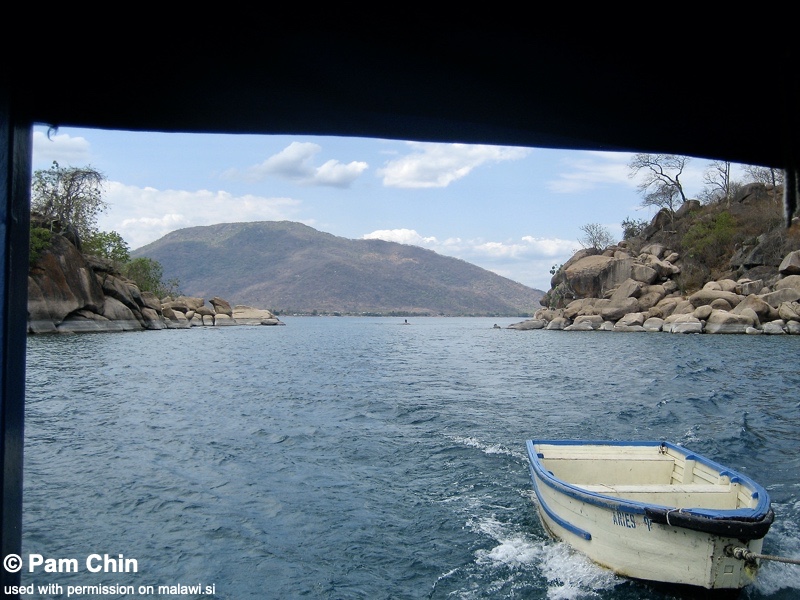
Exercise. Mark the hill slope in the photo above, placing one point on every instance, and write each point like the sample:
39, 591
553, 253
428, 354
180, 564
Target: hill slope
292, 268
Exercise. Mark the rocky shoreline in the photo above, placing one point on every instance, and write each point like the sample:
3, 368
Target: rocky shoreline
636, 292
72, 293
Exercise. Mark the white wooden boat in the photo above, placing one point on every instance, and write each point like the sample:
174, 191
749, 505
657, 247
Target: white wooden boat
652, 510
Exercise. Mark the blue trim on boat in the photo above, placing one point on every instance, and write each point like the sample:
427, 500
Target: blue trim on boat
550, 513
761, 510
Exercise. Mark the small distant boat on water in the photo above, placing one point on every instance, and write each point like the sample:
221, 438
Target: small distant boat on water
652, 510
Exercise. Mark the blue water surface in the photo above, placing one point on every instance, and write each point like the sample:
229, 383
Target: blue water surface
350, 458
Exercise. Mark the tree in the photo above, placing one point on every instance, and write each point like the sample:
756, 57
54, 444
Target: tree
40, 240
71, 195
109, 245
148, 275
595, 236
719, 184
632, 227
765, 175
661, 182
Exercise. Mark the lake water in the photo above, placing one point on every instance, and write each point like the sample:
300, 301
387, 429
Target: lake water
343, 458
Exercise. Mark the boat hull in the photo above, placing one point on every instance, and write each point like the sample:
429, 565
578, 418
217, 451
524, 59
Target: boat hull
626, 537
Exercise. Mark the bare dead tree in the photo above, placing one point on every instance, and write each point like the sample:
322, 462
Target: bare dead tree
660, 179
765, 175
719, 184
596, 236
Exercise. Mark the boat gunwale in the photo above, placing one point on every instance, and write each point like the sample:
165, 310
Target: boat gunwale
756, 515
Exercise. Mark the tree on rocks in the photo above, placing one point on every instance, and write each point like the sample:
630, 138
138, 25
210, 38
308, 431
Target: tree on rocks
71, 196
595, 236
661, 179
148, 275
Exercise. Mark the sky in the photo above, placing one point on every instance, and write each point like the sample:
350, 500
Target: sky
511, 210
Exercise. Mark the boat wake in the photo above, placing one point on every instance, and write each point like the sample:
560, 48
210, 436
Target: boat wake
572, 576
783, 540
568, 574
488, 448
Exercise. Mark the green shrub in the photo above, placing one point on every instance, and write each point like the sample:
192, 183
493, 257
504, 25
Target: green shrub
148, 275
632, 228
709, 241
107, 244
41, 239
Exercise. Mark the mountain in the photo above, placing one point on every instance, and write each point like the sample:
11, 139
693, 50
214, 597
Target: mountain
291, 268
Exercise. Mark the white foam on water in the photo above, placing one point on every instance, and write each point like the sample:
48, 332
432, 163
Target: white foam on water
487, 448
569, 574
774, 577
784, 541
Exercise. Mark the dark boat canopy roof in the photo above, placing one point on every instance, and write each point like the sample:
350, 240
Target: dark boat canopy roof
728, 99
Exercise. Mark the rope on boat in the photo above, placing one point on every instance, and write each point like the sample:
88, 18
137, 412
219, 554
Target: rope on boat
678, 510
747, 556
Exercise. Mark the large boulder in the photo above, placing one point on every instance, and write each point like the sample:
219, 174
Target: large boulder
682, 323
59, 284
183, 304
175, 319
559, 323
790, 264
121, 315
247, 315
789, 311
593, 276
152, 319
707, 296
630, 288
644, 273
777, 327
86, 321
651, 295
790, 281
611, 310
787, 294
720, 321
151, 301
653, 324
221, 307
222, 320
632, 319
582, 306
529, 324
758, 305
745, 287
120, 289
586, 323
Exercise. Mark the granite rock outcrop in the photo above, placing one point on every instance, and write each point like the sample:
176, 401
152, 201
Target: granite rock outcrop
731, 267
69, 292
623, 290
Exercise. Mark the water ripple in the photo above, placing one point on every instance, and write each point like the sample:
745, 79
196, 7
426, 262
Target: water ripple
352, 458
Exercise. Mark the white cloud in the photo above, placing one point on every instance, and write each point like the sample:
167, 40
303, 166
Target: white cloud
591, 170
143, 215
527, 260
60, 147
438, 165
336, 174
295, 163
401, 236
